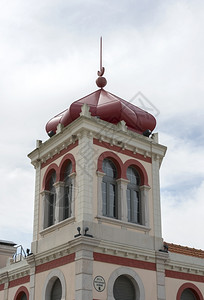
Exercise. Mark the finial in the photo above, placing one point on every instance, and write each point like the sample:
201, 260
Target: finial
101, 81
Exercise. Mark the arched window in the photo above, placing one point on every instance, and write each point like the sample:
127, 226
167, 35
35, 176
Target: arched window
133, 196
51, 199
124, 289
56, 291
188, 294
22, 294
67, 191
109, 189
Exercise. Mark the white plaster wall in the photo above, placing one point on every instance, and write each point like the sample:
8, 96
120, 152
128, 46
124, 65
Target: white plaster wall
105, 270
68, 271
173, 285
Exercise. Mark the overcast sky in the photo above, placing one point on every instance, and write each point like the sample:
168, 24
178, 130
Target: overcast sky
49, 57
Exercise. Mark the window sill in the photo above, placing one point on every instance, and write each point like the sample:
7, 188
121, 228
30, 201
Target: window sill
122, 224
57, 226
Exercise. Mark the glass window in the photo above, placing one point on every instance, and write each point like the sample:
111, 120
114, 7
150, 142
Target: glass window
67, 192
124, 289
133, 196
56, 292
188, 295
23, 297
109, 194
51, 199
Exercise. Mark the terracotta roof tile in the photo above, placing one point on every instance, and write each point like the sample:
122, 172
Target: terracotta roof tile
185, 250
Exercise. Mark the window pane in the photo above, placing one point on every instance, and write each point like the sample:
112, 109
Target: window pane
123, 289
67, 191
135, 207
56, 293
51, 210
111, 206
128, 205
188, 295
104, 198
67, 201
109, 168
133, 176
67, 172
133, 196
52, 181
23, 297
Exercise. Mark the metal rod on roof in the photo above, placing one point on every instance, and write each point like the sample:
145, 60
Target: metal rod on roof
102, 69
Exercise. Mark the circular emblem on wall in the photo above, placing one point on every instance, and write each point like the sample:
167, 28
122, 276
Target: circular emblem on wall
99, 283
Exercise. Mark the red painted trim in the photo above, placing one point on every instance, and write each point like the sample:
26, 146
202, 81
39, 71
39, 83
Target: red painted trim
115, 158
46, 178
192, 287
19, 281
184, 276
20, 293
120, 150
55, 263
139, 167
2, 287
68, 157
123, 261
50, 160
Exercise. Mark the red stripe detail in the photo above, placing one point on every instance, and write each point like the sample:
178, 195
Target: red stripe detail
2, 287
117, 260
19, 281
185, 276
120, 150
70, 147
55, 263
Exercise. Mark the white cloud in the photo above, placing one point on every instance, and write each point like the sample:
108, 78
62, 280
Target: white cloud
182, 216
49, 58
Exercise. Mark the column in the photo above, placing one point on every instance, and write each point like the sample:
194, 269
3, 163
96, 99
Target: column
122, 199
44, 209
59, 208
144, 193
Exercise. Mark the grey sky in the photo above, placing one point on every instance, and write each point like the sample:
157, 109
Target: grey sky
49, 56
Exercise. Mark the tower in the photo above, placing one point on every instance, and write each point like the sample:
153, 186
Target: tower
97, 219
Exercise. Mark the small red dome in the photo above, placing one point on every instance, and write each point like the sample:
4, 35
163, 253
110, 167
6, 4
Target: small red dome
107, 107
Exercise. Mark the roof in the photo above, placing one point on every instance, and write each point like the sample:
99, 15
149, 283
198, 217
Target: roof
8, 243
185, 250
107, 107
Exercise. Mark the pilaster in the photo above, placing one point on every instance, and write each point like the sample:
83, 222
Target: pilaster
36, 202
156, 202
84, 274
161, 258
85, 172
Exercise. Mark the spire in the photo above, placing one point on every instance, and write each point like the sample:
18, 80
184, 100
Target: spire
101, 81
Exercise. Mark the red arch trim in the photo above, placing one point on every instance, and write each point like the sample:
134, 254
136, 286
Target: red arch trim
140, 169
62, 166
19, 293
50, 169
115, 158
192, 287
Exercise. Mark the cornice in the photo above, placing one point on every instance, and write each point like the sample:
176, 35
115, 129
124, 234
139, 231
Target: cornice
103, 131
